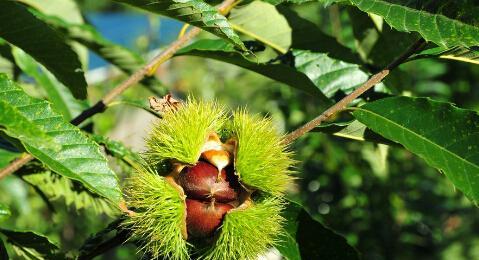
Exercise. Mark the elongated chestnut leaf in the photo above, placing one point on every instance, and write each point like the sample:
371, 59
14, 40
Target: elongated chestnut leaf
455, 25
222, 51
30, 240
118, 150
15, 123
60, 97
22, 29
4, 212
445, 136
77, 157
194, 12
85, 34
261, 21
315, 73
307, 238
462, 54
353, 130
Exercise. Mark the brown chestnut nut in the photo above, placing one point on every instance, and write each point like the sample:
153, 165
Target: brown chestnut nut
203, 182
203, 218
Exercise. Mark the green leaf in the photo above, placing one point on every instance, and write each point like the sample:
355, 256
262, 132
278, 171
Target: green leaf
308, 36
78, 158
462, 54
113, 235
66, 10
22, 29
88, 36
261, 21
288, 247
61, 98
354, 130
119, 150
31, 240
313, 240
445, 136
15, 123
53, 187
4, 212
328, 74
325, 3
376, 42
7, 62
222, 51
136, 103
194, 12
447, 30
6, 157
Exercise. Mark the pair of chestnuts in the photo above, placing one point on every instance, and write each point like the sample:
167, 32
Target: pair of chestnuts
212, 185
210, 193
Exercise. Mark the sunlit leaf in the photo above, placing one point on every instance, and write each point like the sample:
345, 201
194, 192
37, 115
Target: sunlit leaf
4, 212
261, 21
194, 12
354, 130
445, 136
222, 51
462, 54
457, 26
77, 158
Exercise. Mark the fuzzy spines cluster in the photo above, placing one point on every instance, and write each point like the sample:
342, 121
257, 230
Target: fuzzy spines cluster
180, 134
260, 225
262, 166
159, 220
261, 153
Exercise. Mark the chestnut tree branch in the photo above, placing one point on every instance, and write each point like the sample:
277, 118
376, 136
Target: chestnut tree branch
15, 165
340, 105
146, 70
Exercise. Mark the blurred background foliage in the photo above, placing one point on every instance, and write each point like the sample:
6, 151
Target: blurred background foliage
386, 201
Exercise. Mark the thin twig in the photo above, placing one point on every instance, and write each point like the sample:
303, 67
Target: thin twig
101, 105
15, 165
375, 79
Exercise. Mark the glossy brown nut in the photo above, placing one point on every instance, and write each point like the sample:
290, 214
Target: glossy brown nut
202, 182
203, 218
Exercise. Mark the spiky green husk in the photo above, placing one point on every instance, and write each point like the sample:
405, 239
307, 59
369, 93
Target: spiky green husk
262, 161
160, 215
180, 134
246, 233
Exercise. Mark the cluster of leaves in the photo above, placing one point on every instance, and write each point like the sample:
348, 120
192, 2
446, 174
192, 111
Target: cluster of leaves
45, 43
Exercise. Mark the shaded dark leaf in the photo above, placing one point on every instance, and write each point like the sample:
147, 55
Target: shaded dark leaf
307, 36
31, 240
312, 239
22, 29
